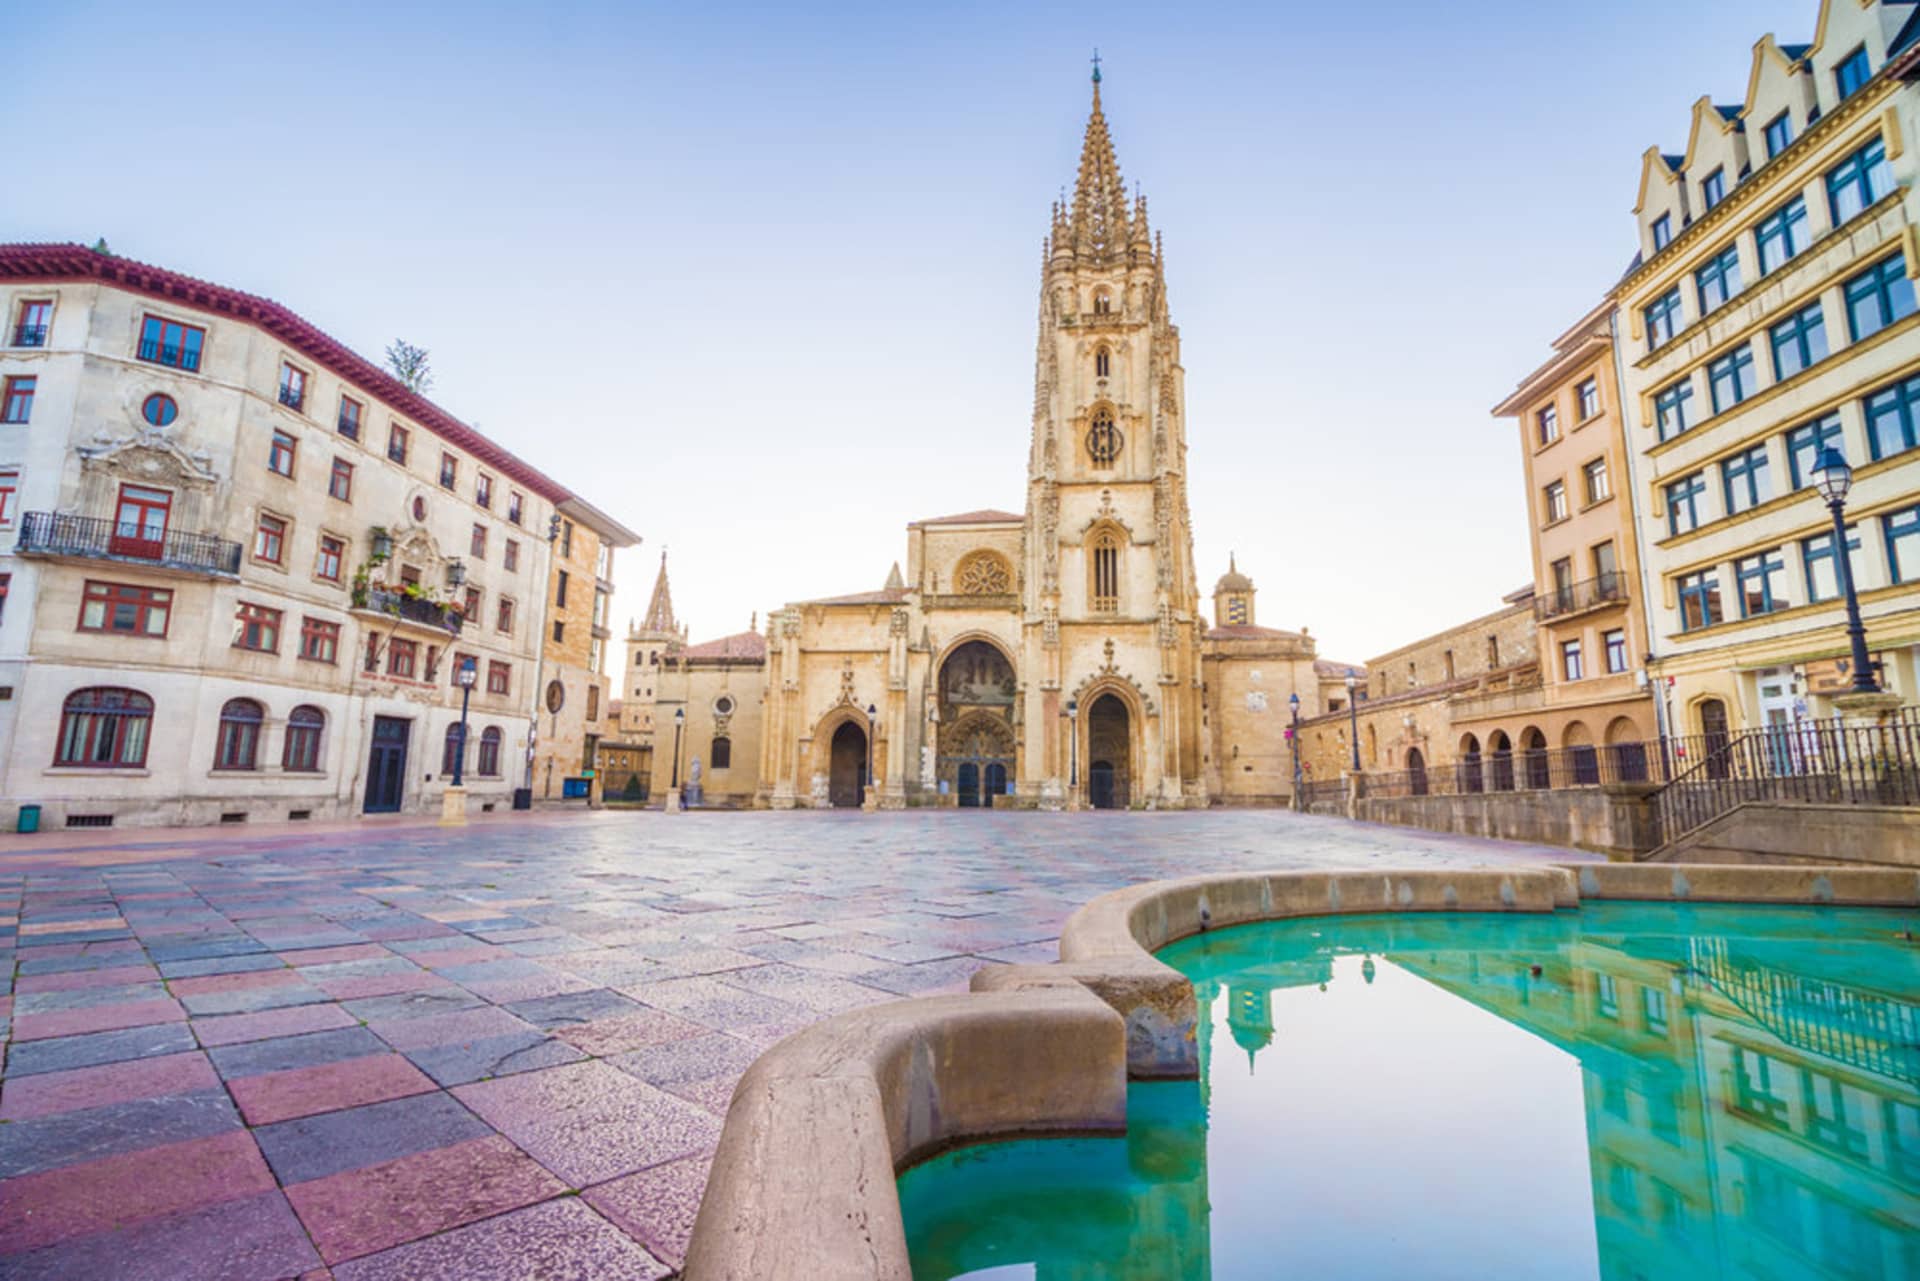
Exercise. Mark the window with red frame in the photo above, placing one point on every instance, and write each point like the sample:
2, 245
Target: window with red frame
9, 496
256, 627
499, 677
397, 444
402, 658
280, 454
449, 470
510, 556
319, 640
371, 663
6, 582
478, 544
238, 746
30, 330
170, 343
349, 423
270, 539
455, 748
293, 388
301, 752
471, 606
504, 623
514, 502
433, 665
460, 661
340, 481
125, 609
488, 766
483, 490
105, 728
17, 404
140, 522
332, 552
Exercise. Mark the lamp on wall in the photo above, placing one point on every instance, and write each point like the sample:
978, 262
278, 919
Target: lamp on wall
456, 573
1834, 479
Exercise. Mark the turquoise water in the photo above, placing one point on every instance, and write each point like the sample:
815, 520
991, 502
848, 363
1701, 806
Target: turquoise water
1634, 1093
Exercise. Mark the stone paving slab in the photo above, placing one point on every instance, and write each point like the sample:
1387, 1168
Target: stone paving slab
399, 1051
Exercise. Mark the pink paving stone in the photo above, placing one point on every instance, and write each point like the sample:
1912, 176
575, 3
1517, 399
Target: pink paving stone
281, 1096
231, 1029
588, 1122
561, 1238
462, 956
98, 1018
111, 1193
714, 1093
78, 980
331, 955
444, 1029
90, 1087
233, 982
357, 1212
621, 1032
657, 1206
347, 989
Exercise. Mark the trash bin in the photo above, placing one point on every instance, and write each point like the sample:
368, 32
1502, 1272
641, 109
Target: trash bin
523, 798
29, 819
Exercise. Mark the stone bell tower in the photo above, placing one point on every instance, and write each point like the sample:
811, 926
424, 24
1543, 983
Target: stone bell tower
1108, 590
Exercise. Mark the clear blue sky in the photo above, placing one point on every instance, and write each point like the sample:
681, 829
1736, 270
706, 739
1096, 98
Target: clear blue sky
761, 280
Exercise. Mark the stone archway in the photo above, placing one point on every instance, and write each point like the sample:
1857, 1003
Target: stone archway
847, 767
978, 704
1109, 753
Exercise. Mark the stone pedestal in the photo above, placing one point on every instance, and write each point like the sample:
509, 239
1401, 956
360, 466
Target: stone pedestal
673, 801
1876, 707
453, 807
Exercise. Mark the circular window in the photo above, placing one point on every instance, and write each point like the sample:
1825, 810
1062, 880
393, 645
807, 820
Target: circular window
159, 409
556, 696
419, 507
723, 705
1103, 438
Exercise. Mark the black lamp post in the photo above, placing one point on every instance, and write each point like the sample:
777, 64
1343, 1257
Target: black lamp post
873, 732
469, 672
1293, 739
1834, 479
1353, 717
679, 719
1073, 750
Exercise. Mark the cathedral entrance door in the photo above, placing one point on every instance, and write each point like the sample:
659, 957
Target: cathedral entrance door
847, 772
1110, 746
996, 784
969, 785
1100, 785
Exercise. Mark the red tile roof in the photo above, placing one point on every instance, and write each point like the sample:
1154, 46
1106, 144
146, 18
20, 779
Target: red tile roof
741, 647
985, 516
56, 262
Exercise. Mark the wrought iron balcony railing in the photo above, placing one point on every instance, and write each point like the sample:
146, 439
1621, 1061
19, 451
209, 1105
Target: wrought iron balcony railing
293, 397
176, 355
58, 534
414, 609
1577, 598
29, 335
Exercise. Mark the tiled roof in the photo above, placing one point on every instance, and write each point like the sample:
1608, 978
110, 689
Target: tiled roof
741, 646
985, 516
54, 262
886, 596
1247, 631
1328, 667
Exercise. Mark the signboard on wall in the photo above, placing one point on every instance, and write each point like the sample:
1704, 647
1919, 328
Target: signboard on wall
1833, 675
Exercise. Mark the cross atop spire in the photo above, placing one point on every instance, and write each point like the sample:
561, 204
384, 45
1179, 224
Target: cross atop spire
1096, 70
1100, 223
660, 607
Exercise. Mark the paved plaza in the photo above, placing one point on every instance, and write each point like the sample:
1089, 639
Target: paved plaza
385, 1051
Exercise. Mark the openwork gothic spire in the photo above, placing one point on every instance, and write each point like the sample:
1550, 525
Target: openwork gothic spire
660, 607
1100, 226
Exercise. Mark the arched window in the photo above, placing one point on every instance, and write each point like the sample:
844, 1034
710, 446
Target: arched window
1104, 571
489, 766
1102, 303
301, 754
720, 753
104, 727
238, 746
1102, 363
451, 754
1103, 438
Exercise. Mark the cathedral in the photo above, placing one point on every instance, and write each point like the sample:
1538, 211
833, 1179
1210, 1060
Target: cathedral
1055, 657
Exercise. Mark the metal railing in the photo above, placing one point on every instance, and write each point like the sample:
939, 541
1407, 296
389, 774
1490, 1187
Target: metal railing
1811, 762
415, 609
176, 355
29, 335
292, 397
1574, 598
57, 534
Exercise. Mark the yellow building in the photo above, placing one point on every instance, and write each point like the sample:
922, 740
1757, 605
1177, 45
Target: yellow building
575, 694
1771, 315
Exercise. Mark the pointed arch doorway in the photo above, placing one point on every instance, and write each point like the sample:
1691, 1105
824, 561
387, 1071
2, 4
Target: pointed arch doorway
847, 767
1109, 754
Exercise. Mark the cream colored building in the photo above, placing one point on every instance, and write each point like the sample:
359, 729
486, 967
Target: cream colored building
242, 566
1771, 313
576, 695
1252, 673
1055, 655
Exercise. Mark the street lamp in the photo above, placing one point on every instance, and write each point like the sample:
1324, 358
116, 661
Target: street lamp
1073, 751
1353, 717
468, 673
873, 730
1293, 739
679, 719
1834, 479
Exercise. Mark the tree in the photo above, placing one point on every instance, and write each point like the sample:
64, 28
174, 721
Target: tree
409, 364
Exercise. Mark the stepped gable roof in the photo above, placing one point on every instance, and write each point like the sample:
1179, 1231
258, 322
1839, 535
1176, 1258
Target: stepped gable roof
739, 647
985, 516
51, 263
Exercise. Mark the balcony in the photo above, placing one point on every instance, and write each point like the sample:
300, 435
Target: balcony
173, 355
29, 335
1578, 598
293, 397
411, 609
57, 534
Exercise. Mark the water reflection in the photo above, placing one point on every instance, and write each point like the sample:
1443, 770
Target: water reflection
1750, 1082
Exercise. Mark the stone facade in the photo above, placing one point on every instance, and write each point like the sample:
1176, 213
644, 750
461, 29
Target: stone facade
243, 565
576, 701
